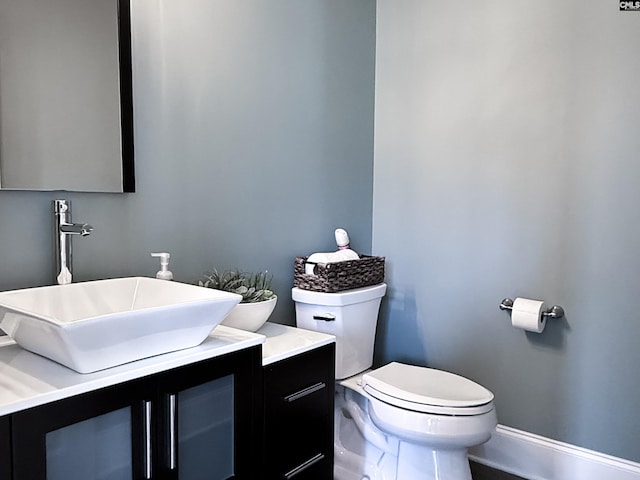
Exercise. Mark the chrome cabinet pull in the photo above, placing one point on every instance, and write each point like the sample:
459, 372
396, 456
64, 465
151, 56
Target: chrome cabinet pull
303, 393
172, 431
303, 466
147, 440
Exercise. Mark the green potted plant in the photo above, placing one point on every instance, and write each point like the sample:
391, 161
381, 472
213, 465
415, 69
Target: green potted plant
258, 300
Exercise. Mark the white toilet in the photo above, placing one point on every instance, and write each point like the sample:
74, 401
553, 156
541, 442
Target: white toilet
398, 421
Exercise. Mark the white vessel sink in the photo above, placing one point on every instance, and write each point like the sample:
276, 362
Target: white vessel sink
95, 325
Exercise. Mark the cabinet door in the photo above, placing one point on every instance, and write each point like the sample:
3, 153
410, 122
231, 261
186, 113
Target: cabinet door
5, 448
101, 435
208, 419
299, 398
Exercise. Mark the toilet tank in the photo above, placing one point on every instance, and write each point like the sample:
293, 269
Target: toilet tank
351, 316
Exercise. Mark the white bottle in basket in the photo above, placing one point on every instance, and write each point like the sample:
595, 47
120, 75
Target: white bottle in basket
344, 253
342, 239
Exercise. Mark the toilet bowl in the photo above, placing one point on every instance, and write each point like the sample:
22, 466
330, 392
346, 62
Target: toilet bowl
397, 422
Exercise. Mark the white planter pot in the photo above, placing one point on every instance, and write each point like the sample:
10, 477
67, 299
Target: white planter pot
250, 316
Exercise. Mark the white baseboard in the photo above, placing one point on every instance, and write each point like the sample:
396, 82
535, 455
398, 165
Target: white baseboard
538, 458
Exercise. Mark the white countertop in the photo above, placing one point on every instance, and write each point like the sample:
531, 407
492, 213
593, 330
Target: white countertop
28, 380
283, 341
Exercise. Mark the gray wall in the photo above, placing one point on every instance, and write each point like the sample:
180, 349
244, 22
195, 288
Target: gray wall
254, 141
506, 165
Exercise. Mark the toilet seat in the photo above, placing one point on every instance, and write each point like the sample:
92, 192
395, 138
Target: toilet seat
427, 390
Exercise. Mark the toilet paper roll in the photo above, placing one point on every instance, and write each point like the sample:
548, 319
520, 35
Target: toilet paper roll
527, 314
309, 268
328, 257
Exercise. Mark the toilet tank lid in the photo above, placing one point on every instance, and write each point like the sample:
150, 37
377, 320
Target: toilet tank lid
339, 299
426, 386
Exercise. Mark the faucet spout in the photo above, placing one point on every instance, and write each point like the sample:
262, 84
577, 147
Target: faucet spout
63, 228
82, 229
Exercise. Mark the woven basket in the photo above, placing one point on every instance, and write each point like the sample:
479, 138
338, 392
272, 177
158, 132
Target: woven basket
339, 276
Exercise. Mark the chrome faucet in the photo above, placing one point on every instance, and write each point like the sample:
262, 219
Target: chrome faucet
62, 229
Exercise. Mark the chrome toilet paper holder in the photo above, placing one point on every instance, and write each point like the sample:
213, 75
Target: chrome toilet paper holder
554, 312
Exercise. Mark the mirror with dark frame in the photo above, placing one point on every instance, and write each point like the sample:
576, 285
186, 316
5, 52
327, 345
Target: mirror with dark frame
66, 101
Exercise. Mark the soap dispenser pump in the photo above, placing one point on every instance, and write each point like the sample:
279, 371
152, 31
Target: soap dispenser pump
164, 273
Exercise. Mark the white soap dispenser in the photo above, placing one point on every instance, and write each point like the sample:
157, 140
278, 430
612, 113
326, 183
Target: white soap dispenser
164, 273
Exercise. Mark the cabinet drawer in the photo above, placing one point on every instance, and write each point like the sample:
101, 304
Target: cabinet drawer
299, 398
295, 374
301, 430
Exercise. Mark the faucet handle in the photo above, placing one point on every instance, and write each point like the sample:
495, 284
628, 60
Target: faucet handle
61, 206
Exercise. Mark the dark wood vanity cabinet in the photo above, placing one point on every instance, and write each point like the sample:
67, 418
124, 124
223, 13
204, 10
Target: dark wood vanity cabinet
298, 416
5, 448
195, 422
218, 419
